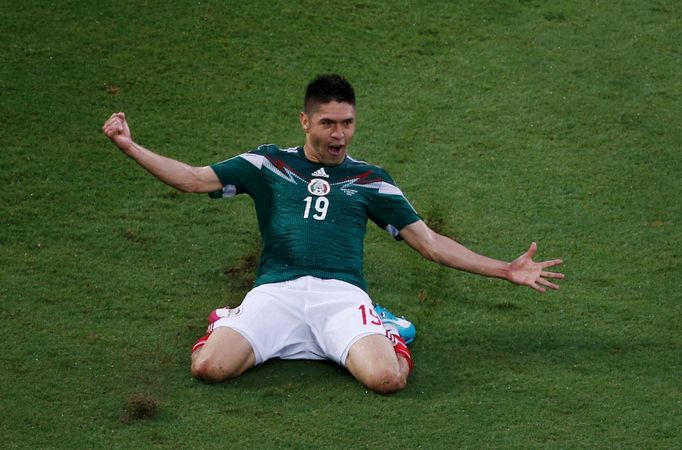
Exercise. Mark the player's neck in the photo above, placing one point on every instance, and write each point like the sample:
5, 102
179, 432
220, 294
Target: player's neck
312, 156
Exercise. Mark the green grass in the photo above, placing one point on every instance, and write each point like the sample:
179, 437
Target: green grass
504, 123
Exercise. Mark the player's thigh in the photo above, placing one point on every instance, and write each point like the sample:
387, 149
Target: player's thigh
226, 354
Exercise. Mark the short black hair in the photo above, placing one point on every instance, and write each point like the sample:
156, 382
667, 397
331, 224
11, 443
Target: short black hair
326, 88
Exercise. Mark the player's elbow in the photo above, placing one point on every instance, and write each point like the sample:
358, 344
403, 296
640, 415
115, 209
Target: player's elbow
188, 188
429, 248
195, 181
429, 253
422, 239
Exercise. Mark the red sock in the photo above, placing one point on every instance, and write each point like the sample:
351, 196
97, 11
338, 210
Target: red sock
202, 340
401, 349
200, 343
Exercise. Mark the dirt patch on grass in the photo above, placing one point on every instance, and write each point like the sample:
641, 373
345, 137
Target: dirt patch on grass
139, 406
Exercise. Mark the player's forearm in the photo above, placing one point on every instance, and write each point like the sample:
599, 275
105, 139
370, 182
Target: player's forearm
174, 173
450, 253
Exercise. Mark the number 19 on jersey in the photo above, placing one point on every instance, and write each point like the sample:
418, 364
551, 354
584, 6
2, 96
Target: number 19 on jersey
319, 204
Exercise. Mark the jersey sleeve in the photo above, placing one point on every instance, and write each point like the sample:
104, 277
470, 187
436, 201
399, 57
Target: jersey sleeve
389, 208
240, 174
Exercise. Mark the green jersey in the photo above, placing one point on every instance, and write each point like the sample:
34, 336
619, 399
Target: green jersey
312, 217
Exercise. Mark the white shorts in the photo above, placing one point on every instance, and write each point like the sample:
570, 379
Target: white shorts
305, 318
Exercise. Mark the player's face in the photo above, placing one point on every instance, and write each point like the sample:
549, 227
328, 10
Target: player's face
329, 129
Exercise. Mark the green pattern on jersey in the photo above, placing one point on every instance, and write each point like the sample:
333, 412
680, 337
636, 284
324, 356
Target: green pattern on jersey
312, 217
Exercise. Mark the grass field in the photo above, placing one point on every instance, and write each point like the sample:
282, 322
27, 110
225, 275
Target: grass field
503, 122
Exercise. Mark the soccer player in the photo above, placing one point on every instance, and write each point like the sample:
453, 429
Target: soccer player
313, 202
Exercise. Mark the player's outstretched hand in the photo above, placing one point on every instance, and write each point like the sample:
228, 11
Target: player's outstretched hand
116, 129
527, 272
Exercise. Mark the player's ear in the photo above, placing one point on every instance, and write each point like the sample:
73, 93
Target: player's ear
305, 122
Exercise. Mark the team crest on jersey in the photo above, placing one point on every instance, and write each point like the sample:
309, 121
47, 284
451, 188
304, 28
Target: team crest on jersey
319, 187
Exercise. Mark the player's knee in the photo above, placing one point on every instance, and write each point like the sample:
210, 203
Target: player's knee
203, 369
386, 381
208, 369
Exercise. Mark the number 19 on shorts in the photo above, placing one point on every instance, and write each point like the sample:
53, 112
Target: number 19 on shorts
372, 317
320, 206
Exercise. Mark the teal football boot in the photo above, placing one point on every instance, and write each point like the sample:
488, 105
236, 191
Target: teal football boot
398, 325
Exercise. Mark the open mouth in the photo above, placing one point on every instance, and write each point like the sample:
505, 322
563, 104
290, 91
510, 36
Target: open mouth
335, 149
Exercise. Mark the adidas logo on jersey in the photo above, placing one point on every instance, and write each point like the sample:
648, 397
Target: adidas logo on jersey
320, 173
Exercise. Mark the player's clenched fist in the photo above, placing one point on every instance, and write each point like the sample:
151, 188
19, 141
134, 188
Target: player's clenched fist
116, 129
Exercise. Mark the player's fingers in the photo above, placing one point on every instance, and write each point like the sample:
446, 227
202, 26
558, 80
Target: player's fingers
114, 116
557, 275
551, 263
549, 284
538, 288
531, 250
110, 121
112, 128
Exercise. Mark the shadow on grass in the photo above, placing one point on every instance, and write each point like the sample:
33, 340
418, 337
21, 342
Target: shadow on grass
472, 358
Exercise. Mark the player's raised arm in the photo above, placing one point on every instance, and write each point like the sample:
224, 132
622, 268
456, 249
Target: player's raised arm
174, 173
443, 250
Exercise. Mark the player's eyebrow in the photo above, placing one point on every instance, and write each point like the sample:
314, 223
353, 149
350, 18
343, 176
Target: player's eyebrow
330, 120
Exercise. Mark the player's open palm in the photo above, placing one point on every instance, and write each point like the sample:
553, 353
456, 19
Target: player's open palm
116, 129
527, 272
